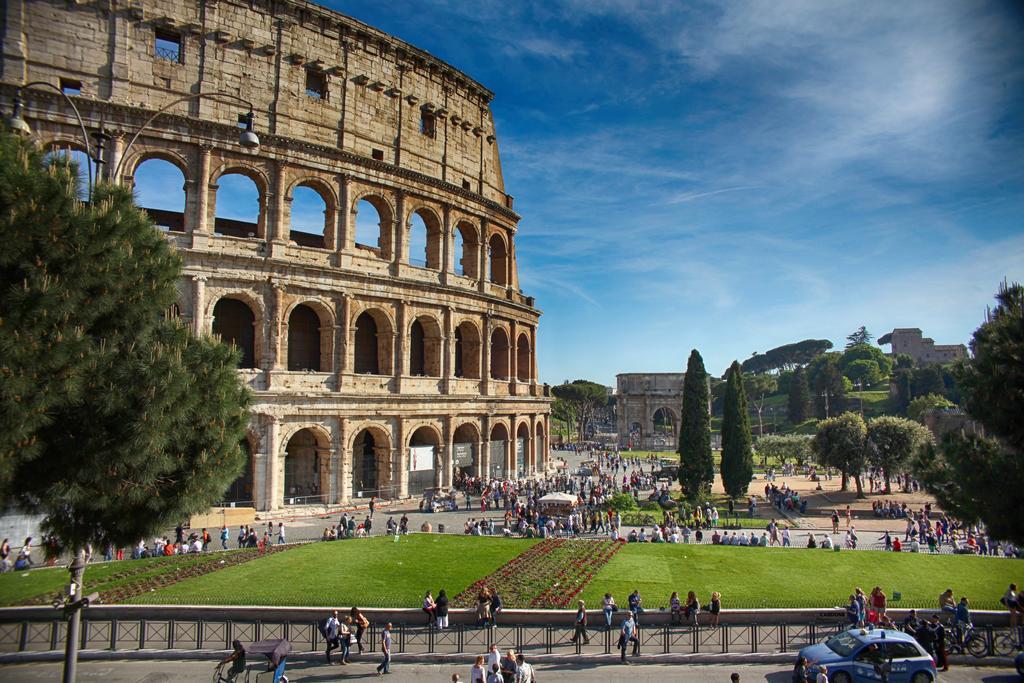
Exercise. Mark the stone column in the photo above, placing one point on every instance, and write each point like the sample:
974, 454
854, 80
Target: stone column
334, 470
440, 462
198, 217
511, 277
449, 452
448, 350
343, 231
274, 494
344, 462
277, 293
485, 371
483, 461
482, 263
401, 460
533, 355
402, 345
510, 446
447, 237
199, 304
346, 336
340, 341
513, 356
116, 143
398, 236
273, 213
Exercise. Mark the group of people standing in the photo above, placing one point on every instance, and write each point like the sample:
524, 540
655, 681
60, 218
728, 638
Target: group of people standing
345, 633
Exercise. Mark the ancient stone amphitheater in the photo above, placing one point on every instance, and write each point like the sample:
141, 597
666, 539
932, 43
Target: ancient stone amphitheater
386, 339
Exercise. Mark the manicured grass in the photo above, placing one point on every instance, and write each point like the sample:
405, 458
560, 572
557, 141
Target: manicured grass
785, 577
367, 572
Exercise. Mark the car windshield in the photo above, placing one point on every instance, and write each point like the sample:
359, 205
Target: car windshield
842, 644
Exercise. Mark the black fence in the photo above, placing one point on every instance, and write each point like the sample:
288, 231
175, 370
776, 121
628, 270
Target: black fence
203, 634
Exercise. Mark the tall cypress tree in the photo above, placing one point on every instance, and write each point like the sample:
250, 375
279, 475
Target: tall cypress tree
799, 398
696, 465
737, 455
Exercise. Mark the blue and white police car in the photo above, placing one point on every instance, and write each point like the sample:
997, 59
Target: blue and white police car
871, 655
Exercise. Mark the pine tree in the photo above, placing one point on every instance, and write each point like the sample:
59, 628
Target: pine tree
799, 398
696, 464
830, 390
860, 336
115, 420
737, 455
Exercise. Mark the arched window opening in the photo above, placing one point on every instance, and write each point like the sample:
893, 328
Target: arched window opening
235, 324
425, 348
304, 339
636, 435
523, 359
467, 351
497, 451
370, 453
302, 468
540, 449
366, 352
417, 241
309, 218
416, 349
499, 354
466, 251
498, 260
241, 490
159, 188
464, 455
522, 450
238, 206
423, 447
369, 227
79, 163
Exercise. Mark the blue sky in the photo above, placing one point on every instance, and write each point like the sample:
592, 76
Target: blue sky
735, 176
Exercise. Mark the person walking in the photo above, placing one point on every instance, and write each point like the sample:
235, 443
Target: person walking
280, 533
938, 632
224, 536
331, 629
525, 669
345, 638
508, 667
581, 625
627, 635
360, 623
385, 649
478, 674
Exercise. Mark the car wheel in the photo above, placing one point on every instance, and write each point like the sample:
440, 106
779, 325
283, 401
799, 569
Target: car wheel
921, 677
841, 677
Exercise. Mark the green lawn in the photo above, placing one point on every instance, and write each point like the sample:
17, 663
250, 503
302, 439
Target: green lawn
777, 577
375, 572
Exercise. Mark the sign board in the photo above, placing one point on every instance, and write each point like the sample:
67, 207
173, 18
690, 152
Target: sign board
462, 455
520, 455
421, 458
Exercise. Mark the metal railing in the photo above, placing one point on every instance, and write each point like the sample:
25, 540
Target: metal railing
125, 635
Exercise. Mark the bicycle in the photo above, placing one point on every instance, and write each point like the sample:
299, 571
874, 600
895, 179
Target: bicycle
1005, 644
968, 639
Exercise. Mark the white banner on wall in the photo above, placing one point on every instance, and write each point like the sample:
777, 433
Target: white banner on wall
421, 458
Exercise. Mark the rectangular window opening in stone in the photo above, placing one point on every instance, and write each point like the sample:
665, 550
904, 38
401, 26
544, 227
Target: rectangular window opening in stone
428, 125
69, 86
316, 84
168, 47
466, 185
378, 154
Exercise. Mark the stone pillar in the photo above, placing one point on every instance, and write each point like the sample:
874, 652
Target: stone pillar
198, 217
346, 336
116, 151
401, 460
448, 350
510, 447
274, 494
447, 238
513, 356
449, 452
483, 461
511, 278
344, 462
259, 463
272, 213
277, 292
199, 304
533, 355
398, 240
482, 263
485, 371
402, 346
343, 231
440, 463
339, 340
335, 468
14, 44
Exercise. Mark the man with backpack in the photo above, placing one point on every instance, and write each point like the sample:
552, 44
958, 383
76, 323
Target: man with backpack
329, 630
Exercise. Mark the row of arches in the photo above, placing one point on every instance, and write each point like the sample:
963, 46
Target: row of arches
370, 466
310, 343
239, 209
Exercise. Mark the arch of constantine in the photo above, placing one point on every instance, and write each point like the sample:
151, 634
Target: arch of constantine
382, 363
647, 408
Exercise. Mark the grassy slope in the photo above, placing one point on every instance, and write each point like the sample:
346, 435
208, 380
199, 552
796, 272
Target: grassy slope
767, 577
372, 572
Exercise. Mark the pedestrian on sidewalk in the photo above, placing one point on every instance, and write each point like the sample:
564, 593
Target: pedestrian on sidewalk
385, 649
280, 533
627, 635
581, 625
360, 623
330, 631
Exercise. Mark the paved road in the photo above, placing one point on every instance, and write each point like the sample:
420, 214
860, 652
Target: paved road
160, 671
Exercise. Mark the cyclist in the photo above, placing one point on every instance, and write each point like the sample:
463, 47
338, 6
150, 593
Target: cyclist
962, 617
237, 659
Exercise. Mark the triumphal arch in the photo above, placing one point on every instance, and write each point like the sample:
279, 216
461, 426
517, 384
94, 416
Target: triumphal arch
383, 332
647, 406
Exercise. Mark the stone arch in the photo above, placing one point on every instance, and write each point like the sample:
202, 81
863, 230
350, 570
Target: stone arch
664, 422
540, 448
373, 342
497, 444
524, 358
467, 350
229, 218
241, 489
499, 354
236, 323
311, 224
305, 347
425, 234
523, 451
71, 150
497, 259
465, 458
307, 453
636, 435
424, 448
466, 249
367, 236
140, 156
425, 346
371, 460
155, 179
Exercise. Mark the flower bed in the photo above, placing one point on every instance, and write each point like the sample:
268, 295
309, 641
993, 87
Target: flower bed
547, 576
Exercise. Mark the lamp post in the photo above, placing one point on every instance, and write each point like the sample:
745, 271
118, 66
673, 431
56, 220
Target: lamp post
247, 137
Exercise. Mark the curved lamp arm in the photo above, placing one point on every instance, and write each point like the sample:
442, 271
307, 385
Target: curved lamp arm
194, 96
81, 124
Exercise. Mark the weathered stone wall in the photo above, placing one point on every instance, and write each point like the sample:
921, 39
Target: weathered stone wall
359, 138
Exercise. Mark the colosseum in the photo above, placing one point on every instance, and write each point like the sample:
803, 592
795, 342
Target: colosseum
365, 260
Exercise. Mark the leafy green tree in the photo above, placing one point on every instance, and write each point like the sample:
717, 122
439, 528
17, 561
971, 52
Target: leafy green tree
696, 464
759, 388
564, 414
585, 398
785, 447
978, 477
829, 390
621, 502
894, 441
860, 336
863, 373
920, 405
857, 352
131, 422
786, 357
737, 455
902, 387
928, 380
841, 442
799, 406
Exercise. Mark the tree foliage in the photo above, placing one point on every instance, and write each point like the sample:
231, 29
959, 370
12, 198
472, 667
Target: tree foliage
584, 398
799, 406
696, 464
785, 448
829, 390
893, 441
115, 420
841, 442
737, 455
786, 357
865, 363
976, 477
920, 405
858, 337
